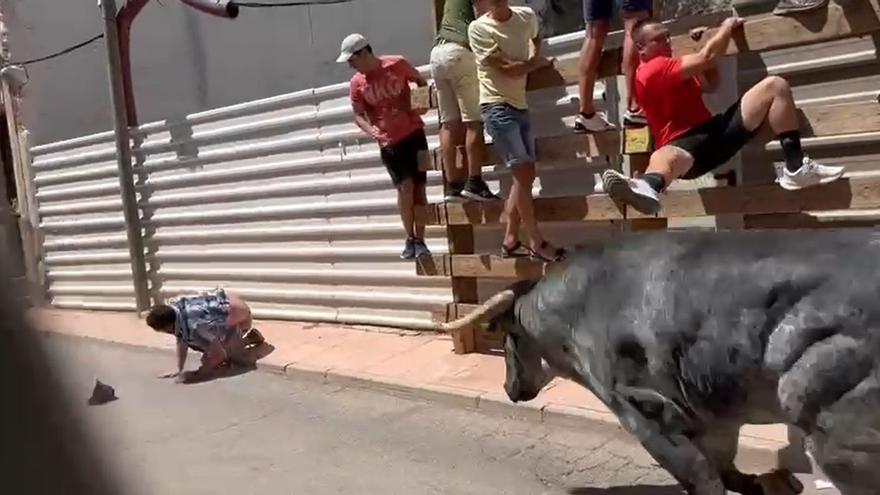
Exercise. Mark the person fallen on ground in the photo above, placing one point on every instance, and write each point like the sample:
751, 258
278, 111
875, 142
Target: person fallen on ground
454, 71
690, 141
597, 19
506, 42
216, 323
380, 98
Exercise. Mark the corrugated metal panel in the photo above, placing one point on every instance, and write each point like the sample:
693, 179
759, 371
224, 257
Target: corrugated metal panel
282, 199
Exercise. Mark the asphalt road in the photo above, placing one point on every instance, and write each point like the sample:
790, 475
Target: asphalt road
258, 433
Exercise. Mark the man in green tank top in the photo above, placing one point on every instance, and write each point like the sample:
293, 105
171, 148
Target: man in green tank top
454, 71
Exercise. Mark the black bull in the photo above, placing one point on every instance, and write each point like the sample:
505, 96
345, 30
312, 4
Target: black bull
688, 336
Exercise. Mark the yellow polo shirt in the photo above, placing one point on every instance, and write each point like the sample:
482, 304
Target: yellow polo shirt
512, 38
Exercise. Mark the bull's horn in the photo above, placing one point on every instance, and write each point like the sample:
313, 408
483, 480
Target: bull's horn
496, 305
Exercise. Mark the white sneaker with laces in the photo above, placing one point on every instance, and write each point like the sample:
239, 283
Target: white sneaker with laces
634, 192
810, 174
597, 123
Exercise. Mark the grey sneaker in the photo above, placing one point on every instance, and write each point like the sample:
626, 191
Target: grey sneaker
597, 123
477, 190
420, 249
409, 252
634, 192
810, 174
454, 193
634, 119
797, 6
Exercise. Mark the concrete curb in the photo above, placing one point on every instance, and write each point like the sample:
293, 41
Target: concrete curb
757, 452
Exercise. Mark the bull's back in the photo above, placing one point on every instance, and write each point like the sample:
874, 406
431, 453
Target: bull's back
717, 310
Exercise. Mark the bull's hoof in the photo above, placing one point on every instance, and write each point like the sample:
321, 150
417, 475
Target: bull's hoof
780, 482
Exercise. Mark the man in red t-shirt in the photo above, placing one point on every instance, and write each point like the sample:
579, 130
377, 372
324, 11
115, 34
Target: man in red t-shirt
380, 98
690, 141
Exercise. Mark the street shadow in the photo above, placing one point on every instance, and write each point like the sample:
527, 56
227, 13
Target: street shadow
232, 370
630, 490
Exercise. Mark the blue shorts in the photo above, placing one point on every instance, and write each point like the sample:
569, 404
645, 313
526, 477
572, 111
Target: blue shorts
511, 132
603, 10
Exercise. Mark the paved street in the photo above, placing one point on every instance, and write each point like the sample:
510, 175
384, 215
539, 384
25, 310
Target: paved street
265, 434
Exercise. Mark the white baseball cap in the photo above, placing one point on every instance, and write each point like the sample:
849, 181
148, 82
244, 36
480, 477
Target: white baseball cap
351, 44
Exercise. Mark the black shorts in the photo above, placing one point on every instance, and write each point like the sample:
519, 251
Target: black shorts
603, 10
402, 159
715, 141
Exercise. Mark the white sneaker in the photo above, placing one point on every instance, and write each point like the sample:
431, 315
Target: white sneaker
634, 192
810, 174
597, 123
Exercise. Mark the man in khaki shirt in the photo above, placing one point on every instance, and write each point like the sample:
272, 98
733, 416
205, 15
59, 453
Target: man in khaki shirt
507, 45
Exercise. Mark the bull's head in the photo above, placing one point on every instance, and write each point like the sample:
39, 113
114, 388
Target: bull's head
527, 372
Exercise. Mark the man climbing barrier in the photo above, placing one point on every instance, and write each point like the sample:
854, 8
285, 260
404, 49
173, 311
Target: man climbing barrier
690, 140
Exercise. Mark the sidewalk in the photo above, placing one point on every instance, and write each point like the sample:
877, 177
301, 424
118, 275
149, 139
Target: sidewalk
411, 363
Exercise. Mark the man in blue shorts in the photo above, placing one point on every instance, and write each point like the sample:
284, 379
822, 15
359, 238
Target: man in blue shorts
597, 17
216, 323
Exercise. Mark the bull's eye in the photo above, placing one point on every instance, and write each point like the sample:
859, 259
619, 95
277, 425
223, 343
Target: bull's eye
566, 349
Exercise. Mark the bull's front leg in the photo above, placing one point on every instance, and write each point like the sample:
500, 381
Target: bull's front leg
675, 452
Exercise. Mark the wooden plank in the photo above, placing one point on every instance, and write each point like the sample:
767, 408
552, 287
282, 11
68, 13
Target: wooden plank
596, 208
758, 34
810, 221
848, 118
492, 266
844, 194
763, 33
857, 193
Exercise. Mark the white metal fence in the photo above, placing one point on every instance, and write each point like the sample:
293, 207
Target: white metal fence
281, 199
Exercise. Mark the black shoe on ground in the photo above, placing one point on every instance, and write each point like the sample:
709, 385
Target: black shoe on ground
477, 190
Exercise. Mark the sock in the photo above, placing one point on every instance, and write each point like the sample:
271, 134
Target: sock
588, 115
791, 147
654, 180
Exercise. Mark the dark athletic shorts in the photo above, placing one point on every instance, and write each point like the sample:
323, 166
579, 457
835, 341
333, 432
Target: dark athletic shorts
714, 142
402, 159
603, 10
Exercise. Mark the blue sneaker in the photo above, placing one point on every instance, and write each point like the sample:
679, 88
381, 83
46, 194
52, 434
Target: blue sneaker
421, 249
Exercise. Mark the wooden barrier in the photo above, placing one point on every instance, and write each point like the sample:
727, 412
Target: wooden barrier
760, 206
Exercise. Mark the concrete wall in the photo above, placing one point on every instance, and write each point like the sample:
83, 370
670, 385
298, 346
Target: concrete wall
185, 61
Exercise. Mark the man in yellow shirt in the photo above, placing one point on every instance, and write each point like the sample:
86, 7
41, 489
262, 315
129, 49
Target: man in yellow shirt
507, 45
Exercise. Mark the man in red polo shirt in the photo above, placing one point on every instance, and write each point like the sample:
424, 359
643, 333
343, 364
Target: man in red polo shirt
690, 141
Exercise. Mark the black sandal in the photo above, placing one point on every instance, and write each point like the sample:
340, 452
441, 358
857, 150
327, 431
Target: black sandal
559, 254
517, 251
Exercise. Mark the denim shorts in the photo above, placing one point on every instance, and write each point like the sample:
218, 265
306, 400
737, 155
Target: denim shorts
511, 132
603, 10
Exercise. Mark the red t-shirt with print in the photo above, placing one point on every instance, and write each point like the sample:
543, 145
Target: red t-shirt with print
384, 95
672, 103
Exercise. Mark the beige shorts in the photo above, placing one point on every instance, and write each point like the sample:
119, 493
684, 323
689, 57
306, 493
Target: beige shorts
454, 70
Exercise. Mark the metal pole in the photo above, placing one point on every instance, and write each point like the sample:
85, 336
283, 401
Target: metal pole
123, 157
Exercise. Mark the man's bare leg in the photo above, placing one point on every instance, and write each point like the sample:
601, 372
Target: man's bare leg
475, 148
630, 63
405, 205
451, 135
769, 106
588, 119
420, 198
521, 210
